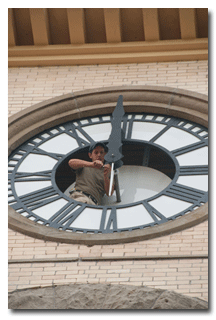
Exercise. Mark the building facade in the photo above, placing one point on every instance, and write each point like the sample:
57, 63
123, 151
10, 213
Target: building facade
177, 261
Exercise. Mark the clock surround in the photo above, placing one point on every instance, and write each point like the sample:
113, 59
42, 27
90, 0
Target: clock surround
89, 103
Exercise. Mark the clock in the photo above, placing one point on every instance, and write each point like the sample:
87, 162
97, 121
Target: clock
164, 176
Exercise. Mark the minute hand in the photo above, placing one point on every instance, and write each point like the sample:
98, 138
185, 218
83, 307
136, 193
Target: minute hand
115, 140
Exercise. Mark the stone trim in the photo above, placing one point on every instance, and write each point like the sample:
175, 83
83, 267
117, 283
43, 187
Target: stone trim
155, 99
83, 259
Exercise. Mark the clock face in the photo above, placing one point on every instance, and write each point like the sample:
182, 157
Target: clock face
164, 176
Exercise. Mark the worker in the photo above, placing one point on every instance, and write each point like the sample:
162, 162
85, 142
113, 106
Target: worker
92, 177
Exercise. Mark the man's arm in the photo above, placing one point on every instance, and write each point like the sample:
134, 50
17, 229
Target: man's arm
77, 164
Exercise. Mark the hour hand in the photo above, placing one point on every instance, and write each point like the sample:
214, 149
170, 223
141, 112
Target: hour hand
114, 153
114, 145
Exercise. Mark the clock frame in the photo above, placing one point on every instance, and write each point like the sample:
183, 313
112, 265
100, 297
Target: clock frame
97, 103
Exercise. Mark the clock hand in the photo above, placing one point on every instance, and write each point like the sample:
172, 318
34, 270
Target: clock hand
115, 139
111, 178
114, 154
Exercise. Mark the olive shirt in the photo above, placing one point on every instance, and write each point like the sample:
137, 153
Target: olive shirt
91, 180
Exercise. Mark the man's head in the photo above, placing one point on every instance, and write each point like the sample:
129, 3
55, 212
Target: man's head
97, 151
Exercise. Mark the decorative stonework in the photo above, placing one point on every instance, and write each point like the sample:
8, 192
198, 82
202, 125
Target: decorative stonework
101, 296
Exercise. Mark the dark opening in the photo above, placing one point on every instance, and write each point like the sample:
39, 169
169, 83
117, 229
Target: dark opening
134, 154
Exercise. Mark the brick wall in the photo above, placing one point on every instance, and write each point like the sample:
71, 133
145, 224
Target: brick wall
28, 86
176, 262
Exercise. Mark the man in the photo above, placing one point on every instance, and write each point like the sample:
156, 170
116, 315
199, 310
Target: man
92, 178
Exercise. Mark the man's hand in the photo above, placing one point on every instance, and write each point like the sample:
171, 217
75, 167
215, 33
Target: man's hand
97, 164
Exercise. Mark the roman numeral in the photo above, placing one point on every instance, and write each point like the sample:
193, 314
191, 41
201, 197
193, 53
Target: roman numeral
56, 156
170, 123
130, 127
159, 134
36, 150
187, 194
37, 199
189, 127
193, 170
85, 134
111, 224
25, 176
73, 133
66, 215
189, 148
155, 214
81, 136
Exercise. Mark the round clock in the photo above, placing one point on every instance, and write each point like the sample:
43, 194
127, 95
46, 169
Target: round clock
164, 178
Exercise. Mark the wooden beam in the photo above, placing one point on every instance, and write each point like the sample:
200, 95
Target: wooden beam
11, 28
76, 24
151, 24
188, 24
108, 58
40, 26
112, 25
102, 48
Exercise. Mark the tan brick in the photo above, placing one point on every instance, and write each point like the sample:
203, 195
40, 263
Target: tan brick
119, 271
51, 266
131, 283
196, 290
14, 257
203, 281
187, 277
173, 287
75, 267
24, 280
26, 286
123, 263
93, 280
14, 270
147, 263
154, 283
123, 275
95, 271
11, 279
110, 267
174, 281
24, 274
20, 265
102, 280
137, 279
55, 277
94, 268
138, 270
170, 270
40, 282
64, 272
158, 277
